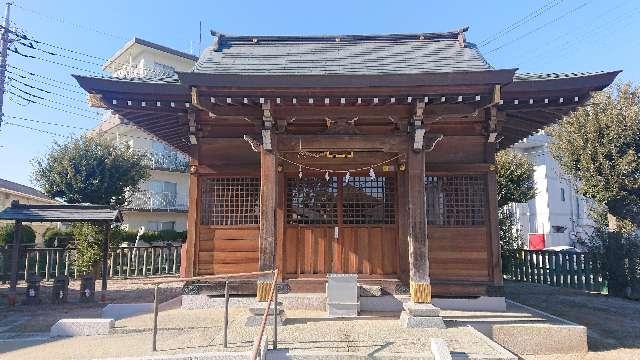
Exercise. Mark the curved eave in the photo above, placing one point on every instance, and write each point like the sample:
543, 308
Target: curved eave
101, 85
532, 105
504, 76
583, 83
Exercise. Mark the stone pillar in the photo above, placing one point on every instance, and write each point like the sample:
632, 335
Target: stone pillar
15, 255
266, 246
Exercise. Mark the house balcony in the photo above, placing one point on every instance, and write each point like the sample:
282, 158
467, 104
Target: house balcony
168, 161
157, 202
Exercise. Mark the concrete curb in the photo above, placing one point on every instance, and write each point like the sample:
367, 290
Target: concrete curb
503, 354
82, 327
440, 350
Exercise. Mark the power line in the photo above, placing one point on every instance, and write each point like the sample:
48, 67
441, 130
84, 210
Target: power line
31, 73
522, 21
51, 107
31, 86
38, 130
47, 123
76, 25
540, 27
49, 100
16, 51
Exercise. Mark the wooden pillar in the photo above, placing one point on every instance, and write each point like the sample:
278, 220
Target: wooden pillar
188, 266
105, 257
266, 246
15, 254
495, 269
419, 282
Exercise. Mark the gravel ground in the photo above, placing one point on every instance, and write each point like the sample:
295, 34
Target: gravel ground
613, 323
201, 331
42, 317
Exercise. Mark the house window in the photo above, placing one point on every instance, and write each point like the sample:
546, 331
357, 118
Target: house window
562, 194
455, 200
230, 201
161, 225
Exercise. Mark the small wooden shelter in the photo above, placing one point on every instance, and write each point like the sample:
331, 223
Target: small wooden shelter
367, 154
21, 213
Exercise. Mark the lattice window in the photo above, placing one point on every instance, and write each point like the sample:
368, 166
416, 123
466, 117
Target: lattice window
312, 200
369, 201
230, 201
455, 200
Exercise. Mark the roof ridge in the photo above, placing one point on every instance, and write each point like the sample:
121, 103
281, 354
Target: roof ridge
220, 37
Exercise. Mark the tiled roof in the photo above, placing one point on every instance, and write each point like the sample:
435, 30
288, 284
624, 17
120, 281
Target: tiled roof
552, 76
341, 54
23, 189
55, 213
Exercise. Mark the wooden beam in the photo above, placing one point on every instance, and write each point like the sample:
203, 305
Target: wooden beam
419, 283
390, 143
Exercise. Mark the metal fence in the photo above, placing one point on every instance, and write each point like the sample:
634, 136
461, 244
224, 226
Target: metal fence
568, 269
124, 262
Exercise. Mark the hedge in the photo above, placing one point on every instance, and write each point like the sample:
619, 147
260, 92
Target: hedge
6, 234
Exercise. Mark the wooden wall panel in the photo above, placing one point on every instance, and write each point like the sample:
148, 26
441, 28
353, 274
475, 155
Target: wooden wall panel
458, 253
458, 149
365, 249
227, 250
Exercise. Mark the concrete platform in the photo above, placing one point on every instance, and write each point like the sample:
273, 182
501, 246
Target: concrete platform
318, 301
121, 311
82, 327
524, 330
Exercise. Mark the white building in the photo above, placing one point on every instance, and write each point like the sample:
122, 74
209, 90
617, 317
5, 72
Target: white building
161, 202
558, 211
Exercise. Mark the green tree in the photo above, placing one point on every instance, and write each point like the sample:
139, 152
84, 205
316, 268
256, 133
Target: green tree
514, 175
515, 184
599, 146
28, 236
91, 170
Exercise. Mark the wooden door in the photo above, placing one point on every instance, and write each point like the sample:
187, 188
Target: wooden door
339, 226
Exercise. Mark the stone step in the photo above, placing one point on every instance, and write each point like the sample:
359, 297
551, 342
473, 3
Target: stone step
82, 327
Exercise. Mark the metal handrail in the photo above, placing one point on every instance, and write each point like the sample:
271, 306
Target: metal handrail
258, 340
226, 278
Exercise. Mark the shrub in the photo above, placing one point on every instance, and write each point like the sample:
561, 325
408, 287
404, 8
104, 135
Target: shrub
6, 234
164, 236
63, 237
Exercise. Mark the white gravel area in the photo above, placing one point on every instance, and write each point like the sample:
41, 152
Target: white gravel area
184, 331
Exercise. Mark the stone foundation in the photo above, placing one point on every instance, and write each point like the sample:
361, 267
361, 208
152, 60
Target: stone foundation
421, 316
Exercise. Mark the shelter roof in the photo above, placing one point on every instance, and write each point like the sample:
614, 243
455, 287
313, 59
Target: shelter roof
62, 213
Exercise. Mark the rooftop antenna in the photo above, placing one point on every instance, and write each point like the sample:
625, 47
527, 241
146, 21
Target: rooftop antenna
200, 38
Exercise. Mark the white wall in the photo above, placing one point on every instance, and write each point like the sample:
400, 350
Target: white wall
548, 212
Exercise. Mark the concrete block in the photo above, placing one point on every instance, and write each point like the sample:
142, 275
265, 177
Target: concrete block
342, 288
259, 309
427, 310
256, 320
410, 321
122, 311
342, 309
541, 339
82, 327
440, 350
385, 303
481, 303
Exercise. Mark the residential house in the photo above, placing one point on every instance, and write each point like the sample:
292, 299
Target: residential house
558, 215
10, 191
161, 202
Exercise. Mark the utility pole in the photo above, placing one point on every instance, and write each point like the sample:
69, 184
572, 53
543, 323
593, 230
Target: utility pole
4, 45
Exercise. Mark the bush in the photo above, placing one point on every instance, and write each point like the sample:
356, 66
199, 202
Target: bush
6, 234
119, 236
63, 237
164, 236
